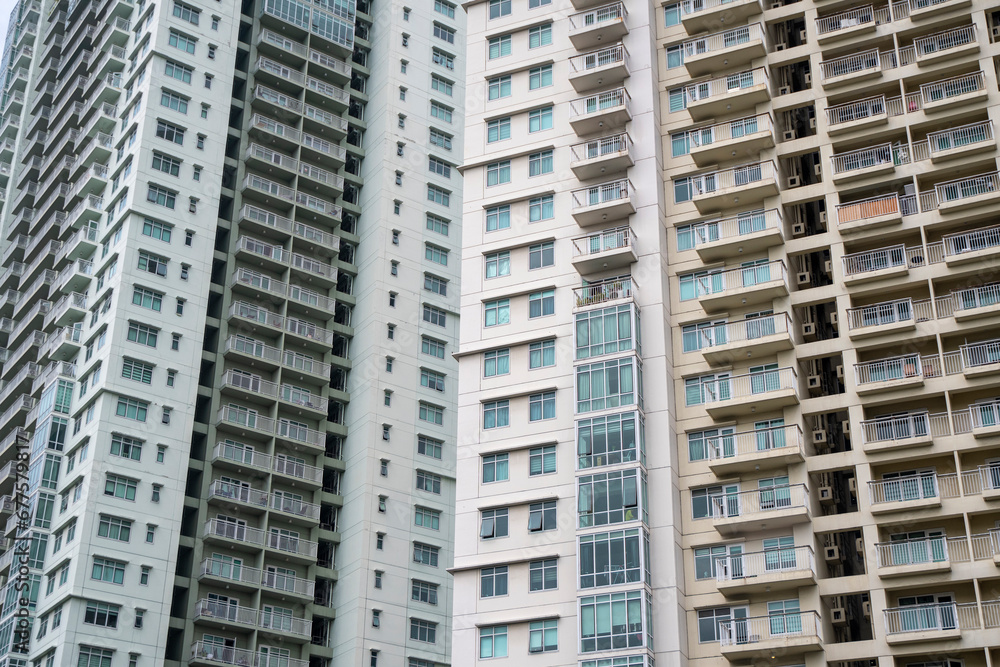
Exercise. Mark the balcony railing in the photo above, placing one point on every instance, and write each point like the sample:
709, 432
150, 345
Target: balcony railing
292, 545
957, 190
230, 572
607, 240
886, 154
894, 368
759, 501
721, 41
967, 135
602, 148
922, 551
901, 10
749, 386
226, 655
246, 418
917, 425
932, 617
741, 278
986, 353
889, 312
596, 17
851, 19
725, 86
742, 332
742, 631
610, 55
733, 177
237, 493
858, 62
605, 193
752, 443
288, 583
913, 487
234, 531
731, 129
599, 103
604, 292
763, 563
228, 451
972, 241
860, 263
223, 611
943, 41
295, 507
939, 91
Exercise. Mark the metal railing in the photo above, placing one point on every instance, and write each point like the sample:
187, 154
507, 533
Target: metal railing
740, 332
231, 613
985, 414
226, 655
237, 493
292, 468
242, 455
957, 190
721, 41
759, 501
943, 41
234, 531
607, 56
922, 550
870, 107
741, 278
758, 629
749, 385
733, 177
889, 312
887, 370
849, 19
604, 241
752, 443
275, 221
858, 62
932, 617
913, 487
985, 353
596, 17
732, 129
604, 292
602, 148
271, 187
291, 544
246, 418
231, 572
605, 193
885, 154
723, 86
599, 103
959, 137
939, 91
971, 241
860, 263
762, 563
294, 506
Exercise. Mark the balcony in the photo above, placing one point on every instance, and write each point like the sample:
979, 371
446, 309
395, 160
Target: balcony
698, 13
785, 634
741, 395
240, 458
919, 9
608, 249
268, 192
765, 571
605, 202
604, 25
749, 232
929, 622
741, 185
757, 337
253, 353
917, 429
229, 574
977, 245
203, 653
602, 112
606, 292
297, 436
987, 479
255, 318
776, 507
597, 157
951, 92
985, 418
958, 142
974, 302
760, 449
856, 67
285, 585
953, 43
307, 474
313, 238
728, 49
862, 114
733, 93
858, 21
295, 510
223, 614
756, 282
962, 193
898, 316
867, 162
238, 497
718, 143
925, 555
890, 262
895, 373
912, 492
245, 422
604, 67
979, 359
233, 535
288, 628
292, 547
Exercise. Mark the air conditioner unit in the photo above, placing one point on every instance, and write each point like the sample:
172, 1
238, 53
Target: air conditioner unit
852, 486
780, 46
840, 371
838, 615
784, 90
804, 278
826, 494
812, 123
802, 36
799, 229
845, 428
996, 32
859, 546
819, 436
822, 217
831, 554
794, 181
818, 169
788, 135
828, 267
815, 381
833, 319
775, 5
808, 78
866, 609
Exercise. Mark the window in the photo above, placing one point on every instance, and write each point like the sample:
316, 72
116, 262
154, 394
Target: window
611, 621
105, 569
493, 581
423, 631
498, 217
710, 620
137, 370
542, 575
541, 255
179, 40
431, 413
541, 208
541, 304
435, 284
215, 22
498, 264
438, 195
441, 85
499, 8
201, 139
170, 132
543, 636
609, 498
496, 362
166, 164
605, 331
540, 35
435, 316
429, 447
493, 639
405, 39
147, 298
102, 614
442, 140
542, 460
495, 468
431, 379
447, 34
175, 341
177, 71
161, 196
609, 440
540, 119
443, 59
186, 12
173, 101
540, 77
429, 482
161, 453
497, 312
151, 263
535, 4
498, 130
678, 99
499, 87
706, 558
427, 518
94, 657
542, 354
493, 524
437, 225
613, 558
378, 578
436, 254
434, 348
671, 15
423, 591
445, 8
157, 230
496, 414
142, 334
498, 173
542, 406
208, 84
441, 112
120, 487
608, 384
132, 408
542, 516
126, 447
540, 163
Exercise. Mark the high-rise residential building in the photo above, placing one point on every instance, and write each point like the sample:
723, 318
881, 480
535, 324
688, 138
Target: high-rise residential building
228, 304
798, 465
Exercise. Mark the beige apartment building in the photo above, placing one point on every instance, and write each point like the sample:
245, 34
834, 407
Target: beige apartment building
796, 462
